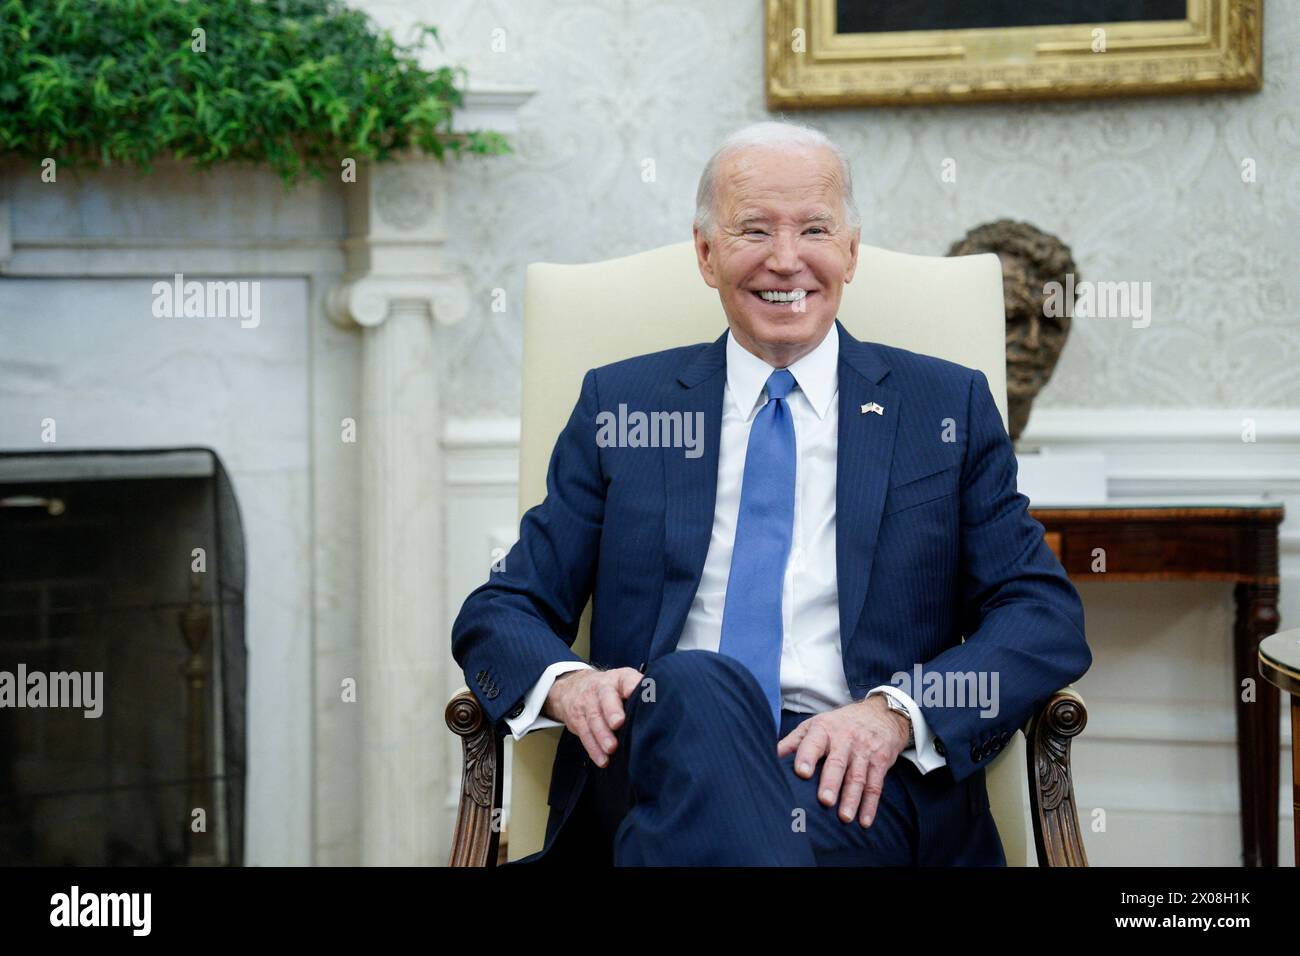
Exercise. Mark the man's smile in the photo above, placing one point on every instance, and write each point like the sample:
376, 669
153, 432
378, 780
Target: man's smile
781, 296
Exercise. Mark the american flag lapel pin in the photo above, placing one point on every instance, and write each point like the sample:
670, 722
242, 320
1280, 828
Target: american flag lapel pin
873, 407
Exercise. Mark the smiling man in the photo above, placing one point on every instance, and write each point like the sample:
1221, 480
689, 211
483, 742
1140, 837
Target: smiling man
834, 584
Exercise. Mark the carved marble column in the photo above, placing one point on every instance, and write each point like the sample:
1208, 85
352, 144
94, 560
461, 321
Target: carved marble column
396, 289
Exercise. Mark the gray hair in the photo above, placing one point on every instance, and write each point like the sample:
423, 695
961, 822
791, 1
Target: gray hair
770, 134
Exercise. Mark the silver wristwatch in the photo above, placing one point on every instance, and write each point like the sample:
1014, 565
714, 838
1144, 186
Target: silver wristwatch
900, 707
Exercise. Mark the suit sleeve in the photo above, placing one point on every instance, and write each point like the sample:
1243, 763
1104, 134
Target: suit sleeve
1021, 617
525, 618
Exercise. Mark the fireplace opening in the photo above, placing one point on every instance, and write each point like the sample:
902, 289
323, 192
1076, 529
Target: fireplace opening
122, 660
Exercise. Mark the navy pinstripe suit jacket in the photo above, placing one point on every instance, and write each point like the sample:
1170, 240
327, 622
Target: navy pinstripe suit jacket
933, 545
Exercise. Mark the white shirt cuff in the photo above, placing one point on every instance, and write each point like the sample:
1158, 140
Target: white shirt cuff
923, 755
531, 718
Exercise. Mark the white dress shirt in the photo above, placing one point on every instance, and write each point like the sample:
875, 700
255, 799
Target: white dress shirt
812, 667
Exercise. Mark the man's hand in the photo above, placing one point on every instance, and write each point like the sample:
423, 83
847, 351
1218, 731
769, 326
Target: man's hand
860, 742
590, 704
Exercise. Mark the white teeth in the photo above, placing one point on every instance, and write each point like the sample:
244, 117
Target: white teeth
775, 296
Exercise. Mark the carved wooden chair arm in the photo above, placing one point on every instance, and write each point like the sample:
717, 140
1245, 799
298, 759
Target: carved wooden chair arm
478, 821
1052, 807
1057, 836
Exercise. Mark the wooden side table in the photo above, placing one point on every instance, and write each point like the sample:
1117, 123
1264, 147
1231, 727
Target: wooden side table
1279, 663
1213, 539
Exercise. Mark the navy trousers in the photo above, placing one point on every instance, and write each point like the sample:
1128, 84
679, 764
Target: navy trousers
695, 781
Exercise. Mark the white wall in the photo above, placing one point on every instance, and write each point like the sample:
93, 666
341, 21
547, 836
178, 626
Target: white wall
1147, 189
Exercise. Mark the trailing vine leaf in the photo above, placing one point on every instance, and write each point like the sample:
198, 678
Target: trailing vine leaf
295, 84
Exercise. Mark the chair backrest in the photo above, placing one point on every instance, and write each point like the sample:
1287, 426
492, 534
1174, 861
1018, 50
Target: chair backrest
577, 317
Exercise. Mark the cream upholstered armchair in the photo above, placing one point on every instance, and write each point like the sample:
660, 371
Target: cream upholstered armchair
577, 317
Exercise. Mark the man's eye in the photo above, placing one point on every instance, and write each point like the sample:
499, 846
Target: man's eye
755, 232
815, 229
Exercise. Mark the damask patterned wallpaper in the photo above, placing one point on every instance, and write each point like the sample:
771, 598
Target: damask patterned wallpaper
1148, 190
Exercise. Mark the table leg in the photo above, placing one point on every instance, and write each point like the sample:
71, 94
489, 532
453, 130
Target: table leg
1258, 736
1295, 773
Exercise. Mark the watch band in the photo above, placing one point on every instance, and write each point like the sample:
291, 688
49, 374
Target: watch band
899, 707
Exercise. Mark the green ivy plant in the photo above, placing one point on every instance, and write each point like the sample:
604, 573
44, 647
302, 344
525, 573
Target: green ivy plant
300, 85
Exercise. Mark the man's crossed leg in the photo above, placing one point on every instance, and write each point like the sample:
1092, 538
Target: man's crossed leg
695, 781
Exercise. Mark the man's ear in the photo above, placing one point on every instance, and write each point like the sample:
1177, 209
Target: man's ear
703, 250
853, 257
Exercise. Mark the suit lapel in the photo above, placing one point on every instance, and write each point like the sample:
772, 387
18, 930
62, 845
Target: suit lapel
690, 487
865, 458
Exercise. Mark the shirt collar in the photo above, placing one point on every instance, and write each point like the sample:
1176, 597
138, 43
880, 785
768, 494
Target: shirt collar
817, 374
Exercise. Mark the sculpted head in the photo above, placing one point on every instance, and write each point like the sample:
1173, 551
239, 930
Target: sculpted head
776, 233
1031, 259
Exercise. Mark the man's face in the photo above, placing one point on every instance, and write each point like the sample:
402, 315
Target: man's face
1034, 339
780, 229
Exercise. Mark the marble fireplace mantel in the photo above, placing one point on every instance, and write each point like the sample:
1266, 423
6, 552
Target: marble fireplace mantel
346, 542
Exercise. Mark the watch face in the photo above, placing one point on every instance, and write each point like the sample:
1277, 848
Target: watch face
900, 707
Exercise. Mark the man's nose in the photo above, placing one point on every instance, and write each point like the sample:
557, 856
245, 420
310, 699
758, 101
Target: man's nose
1031, 336
785, 254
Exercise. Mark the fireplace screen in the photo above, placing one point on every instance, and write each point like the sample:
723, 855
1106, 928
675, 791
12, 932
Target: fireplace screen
122, 659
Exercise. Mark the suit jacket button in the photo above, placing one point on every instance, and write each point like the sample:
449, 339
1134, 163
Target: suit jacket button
975, 754
939, 747
492, 694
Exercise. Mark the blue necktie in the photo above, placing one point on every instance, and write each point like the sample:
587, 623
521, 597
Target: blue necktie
751, 618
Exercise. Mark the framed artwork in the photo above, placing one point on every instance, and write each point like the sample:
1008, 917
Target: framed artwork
826, 53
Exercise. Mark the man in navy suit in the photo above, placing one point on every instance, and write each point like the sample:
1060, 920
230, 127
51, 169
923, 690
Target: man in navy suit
806, 558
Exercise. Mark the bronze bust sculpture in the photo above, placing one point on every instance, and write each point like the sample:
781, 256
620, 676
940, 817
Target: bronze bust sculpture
1030, 259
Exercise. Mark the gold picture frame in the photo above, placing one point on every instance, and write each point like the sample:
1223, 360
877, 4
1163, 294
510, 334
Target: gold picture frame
1219, 46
